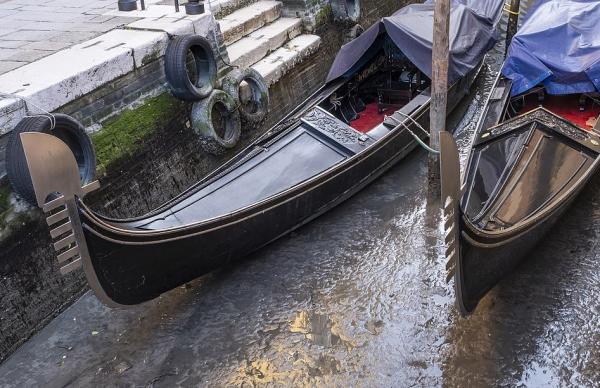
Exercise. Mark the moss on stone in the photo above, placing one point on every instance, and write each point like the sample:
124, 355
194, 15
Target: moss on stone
5, 206
120, 136
324, 15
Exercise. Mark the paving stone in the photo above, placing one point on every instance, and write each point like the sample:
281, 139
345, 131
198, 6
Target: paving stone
45, 16
7, 12
171, 26
25, 2
6, 53
69, 37
6, 66
50, 8
10, 5
146, 45
68, 74
87, 26
11, 44
44, 45
152, 11
28, 55
30, 36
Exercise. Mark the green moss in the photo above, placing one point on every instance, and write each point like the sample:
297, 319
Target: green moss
120, 136
324, 15
5, 206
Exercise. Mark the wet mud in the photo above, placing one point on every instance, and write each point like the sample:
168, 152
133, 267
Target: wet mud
356, 298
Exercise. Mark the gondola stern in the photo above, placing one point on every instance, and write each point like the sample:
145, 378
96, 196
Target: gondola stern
57, 186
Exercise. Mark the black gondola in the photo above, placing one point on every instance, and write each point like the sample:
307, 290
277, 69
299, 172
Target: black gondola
311, 161
534, 150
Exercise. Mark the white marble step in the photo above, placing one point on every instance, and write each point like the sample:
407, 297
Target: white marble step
254, 47
221, 8
249, 19
285, 58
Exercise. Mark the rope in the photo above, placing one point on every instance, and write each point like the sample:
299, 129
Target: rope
27, 103
415, 122
417, 138
508, 10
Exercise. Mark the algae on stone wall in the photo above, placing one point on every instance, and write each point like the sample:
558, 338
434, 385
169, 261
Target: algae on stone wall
14, 213
5, 206
324, 15
121, 135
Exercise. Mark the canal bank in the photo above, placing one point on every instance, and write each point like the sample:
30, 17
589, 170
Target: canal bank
146, 151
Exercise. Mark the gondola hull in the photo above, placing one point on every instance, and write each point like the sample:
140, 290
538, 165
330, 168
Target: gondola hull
486, 260
134, 268
522, 175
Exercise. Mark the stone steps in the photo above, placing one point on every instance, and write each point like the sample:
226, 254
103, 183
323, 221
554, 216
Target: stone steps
257, 33
249, 19
254, 47
222, 8
278, 63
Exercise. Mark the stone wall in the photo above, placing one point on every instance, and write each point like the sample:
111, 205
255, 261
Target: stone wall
157, 161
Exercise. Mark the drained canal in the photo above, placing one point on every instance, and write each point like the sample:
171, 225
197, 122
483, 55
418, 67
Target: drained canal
356, 298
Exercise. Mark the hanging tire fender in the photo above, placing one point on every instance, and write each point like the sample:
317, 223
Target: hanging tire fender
67, 129
217, 121
254, 107
176, 70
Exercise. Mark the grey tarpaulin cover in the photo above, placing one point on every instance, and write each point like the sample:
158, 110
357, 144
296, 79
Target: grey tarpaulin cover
472, 34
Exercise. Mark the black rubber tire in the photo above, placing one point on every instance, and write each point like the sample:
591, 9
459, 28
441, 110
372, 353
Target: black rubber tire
255, 112
179, 81
68, 130
203, 121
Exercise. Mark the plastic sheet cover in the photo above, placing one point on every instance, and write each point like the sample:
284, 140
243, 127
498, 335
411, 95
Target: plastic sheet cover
472, 33
558, 46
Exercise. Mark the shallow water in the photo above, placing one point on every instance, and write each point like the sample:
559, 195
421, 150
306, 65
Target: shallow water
356, 298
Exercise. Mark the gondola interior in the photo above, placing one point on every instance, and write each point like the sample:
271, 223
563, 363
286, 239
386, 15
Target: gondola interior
386, 83
362, 108
520, 166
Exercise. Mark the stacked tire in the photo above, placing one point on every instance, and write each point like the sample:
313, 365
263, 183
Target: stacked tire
217, 115
59, 125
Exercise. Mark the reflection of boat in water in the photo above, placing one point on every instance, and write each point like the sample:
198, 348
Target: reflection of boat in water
326, 150
533, 152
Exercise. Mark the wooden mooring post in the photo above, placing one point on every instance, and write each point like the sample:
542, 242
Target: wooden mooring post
439, 88
513, 22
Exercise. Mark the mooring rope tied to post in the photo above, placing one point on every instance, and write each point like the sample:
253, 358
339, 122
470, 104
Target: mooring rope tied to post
417, 138
511, 12
27, 103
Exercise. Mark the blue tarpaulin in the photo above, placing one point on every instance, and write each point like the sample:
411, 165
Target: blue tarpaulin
472, 33
558, 45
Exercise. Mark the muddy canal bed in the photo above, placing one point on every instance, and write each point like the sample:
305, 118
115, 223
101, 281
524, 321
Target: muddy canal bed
356, 298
